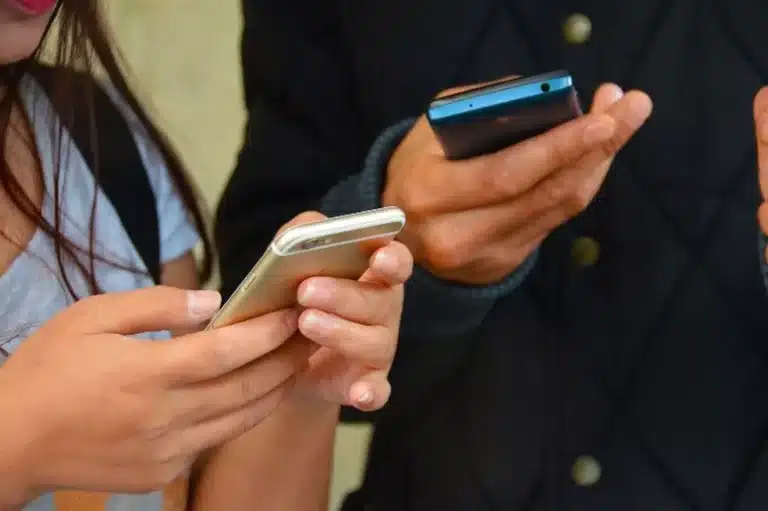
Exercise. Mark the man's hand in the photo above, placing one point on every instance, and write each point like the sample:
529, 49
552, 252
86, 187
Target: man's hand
476, 221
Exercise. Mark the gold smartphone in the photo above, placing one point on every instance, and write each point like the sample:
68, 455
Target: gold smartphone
339, 247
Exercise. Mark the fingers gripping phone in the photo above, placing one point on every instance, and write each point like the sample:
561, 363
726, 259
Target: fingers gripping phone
339, 247
491, 117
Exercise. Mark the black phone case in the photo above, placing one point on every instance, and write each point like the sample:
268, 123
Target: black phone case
474, 133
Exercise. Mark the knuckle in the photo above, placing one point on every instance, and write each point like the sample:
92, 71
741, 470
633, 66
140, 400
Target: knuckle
498, 178
164, 452
555, 192
571, 209
154, 426
559, 151
284, 326
260, 335
447, 252
158, 454
580, 199
160, 475
215, 355
258, 381
419, 193
610, 147
250, 387
624, 131
417, 204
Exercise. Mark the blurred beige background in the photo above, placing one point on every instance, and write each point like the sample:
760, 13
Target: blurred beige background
183, 56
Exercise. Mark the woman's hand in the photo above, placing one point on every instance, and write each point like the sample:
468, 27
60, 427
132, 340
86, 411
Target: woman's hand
84, 406
356, 325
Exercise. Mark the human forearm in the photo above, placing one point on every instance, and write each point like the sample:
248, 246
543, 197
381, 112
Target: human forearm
13, 495
15, 439
284, 463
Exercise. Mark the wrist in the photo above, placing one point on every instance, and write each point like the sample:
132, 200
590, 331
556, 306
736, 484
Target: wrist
16, 440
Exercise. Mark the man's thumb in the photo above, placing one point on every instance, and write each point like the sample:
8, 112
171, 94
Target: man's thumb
134, 312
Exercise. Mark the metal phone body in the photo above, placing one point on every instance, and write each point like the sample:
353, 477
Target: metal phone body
491, 117
338, 247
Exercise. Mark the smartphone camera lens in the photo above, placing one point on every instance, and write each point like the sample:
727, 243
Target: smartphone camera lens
544, 87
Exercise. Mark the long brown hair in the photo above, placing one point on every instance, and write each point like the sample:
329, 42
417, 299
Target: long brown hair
82, 42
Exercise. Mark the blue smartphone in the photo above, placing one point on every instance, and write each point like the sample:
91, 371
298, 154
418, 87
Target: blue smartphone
491, 117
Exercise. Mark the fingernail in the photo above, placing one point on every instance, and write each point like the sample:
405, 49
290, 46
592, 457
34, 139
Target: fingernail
203, 303
315, 323
616, 94
361, 394
599, 130
314, 293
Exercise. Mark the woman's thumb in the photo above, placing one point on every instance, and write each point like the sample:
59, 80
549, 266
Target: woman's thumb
135, 312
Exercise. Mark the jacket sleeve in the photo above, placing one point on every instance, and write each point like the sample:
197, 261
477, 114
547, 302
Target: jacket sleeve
306, 147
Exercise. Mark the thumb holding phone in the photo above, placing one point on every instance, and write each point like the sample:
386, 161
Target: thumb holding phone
474, 221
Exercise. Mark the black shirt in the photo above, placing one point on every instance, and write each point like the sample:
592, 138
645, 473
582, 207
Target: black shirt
628, 369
